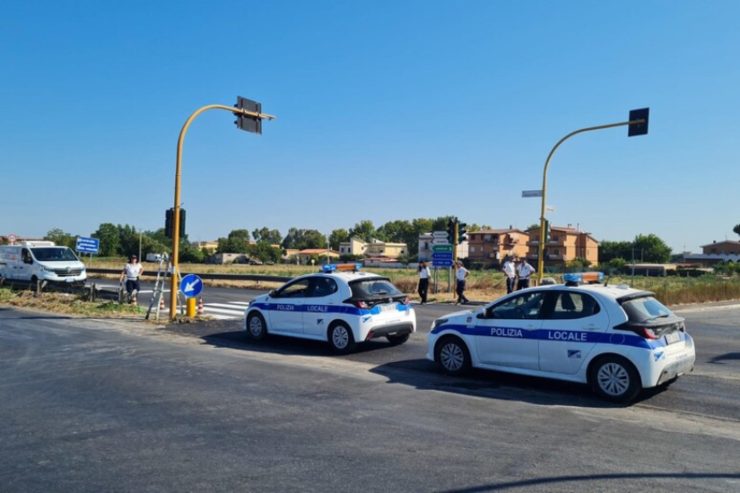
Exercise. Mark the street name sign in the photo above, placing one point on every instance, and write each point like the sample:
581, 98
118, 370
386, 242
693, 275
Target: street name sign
191, 285
531, 193
440, 234
442, 248
87, 245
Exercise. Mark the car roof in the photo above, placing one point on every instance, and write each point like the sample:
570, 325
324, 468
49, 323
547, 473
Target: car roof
613, 292
345, 276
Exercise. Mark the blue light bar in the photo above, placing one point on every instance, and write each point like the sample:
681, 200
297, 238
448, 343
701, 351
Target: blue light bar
584, 277
328, 268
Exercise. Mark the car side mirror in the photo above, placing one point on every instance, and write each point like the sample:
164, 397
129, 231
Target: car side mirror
272, 294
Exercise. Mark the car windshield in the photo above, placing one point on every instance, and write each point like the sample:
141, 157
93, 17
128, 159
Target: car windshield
645, 309
378, 287
53, 254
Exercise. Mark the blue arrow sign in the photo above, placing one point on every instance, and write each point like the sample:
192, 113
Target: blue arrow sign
87, 245
191, 285
441, 263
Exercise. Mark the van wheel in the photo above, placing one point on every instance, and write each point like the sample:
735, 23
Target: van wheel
452, 356
341, 339
615, 379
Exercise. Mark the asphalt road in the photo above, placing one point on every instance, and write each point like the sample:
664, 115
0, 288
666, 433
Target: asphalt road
119, 406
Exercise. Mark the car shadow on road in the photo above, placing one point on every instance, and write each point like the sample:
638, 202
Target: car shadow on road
424, 375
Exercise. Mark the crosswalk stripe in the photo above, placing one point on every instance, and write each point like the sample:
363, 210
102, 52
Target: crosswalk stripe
240, 303
225, 305
234, 313
220, 317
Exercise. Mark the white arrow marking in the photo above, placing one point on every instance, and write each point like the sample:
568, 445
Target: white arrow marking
190, 285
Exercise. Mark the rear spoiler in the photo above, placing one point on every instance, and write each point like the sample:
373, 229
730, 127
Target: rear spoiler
632, 296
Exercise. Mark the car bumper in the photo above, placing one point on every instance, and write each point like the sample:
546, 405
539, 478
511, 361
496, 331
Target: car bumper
664, 367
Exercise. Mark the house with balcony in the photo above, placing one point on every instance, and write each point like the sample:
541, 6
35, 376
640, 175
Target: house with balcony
565, 244
715, 252
492, 246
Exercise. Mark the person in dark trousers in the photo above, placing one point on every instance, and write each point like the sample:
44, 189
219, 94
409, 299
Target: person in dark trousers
524, 271
461, 274
510, 273
424, 276
131, 273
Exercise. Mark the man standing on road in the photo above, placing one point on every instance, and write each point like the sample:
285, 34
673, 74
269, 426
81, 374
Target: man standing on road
510, 273
424, 275
460, 276
524, 271
131, 272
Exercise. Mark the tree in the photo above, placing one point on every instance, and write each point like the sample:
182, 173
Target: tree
265, 252
338, 236
265, 234
651, 248
61, 238
304, 238
609, 250
110, 240
736, 229
364, 230
237, 242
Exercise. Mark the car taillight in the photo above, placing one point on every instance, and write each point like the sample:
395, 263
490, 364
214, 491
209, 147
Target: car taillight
361, 304
647, 333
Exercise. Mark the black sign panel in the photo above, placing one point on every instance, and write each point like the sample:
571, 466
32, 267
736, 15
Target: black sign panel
248, 123
638, 128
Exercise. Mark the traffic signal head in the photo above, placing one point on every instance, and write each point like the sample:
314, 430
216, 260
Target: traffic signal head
451, 230
547, 231
461, 232
169, 221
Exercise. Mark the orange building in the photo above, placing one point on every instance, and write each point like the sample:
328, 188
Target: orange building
491, 246
565, 244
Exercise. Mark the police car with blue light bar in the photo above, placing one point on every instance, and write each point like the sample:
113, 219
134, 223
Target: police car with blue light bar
617, 339
340, 305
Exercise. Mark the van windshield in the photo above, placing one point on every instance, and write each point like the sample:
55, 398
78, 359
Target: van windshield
54, 254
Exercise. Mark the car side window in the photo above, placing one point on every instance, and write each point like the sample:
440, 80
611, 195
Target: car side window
322, 286
26, 256
524, 306
297, 289
570, 305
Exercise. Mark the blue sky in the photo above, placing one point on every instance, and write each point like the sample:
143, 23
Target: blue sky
386, 110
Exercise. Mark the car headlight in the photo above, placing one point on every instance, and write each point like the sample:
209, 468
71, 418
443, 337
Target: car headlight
439, 322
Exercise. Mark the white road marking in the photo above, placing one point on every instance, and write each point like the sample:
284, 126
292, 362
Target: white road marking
706, 309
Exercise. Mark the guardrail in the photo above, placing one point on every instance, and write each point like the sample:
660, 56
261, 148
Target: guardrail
205, 276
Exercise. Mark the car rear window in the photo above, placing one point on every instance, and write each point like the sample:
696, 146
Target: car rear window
645, 309
369, 289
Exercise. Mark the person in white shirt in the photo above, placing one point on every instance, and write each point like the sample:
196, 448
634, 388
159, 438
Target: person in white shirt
524, 271
131, 273
424, 275
461, 274
510, 273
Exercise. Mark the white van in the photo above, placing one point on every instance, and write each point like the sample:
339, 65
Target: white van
41, 260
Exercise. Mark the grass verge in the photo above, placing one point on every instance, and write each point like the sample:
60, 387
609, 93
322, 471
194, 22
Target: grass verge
68, 304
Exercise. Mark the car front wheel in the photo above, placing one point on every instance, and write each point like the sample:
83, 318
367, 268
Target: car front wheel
452, 356
256, 327
615, 379
341, 339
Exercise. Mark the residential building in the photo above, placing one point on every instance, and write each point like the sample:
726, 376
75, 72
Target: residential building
304, 256
425, 247
491, 246
375, 248
565, 244
715, 252
208, 246
726, 247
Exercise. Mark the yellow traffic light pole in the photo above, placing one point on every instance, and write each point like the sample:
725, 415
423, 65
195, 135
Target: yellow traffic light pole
176, 215
541, 243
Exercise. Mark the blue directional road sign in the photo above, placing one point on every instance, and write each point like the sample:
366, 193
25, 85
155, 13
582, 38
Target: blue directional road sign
442, 259
191, 285
87, 245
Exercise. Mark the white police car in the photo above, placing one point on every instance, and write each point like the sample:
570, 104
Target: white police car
617, 339
339, 306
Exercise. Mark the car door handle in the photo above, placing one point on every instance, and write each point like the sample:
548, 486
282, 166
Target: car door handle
591, 326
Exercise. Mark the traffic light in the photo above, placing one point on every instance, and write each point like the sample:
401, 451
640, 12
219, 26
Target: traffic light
547, 231
169, 220
245, 122
461, 231
451, 230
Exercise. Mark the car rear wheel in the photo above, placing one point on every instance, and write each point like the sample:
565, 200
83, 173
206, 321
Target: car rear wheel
452, 356
256, 327
615, 379
341, 339
398, 339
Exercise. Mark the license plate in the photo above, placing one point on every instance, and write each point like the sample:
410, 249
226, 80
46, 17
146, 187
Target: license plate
388, 308
673, 337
